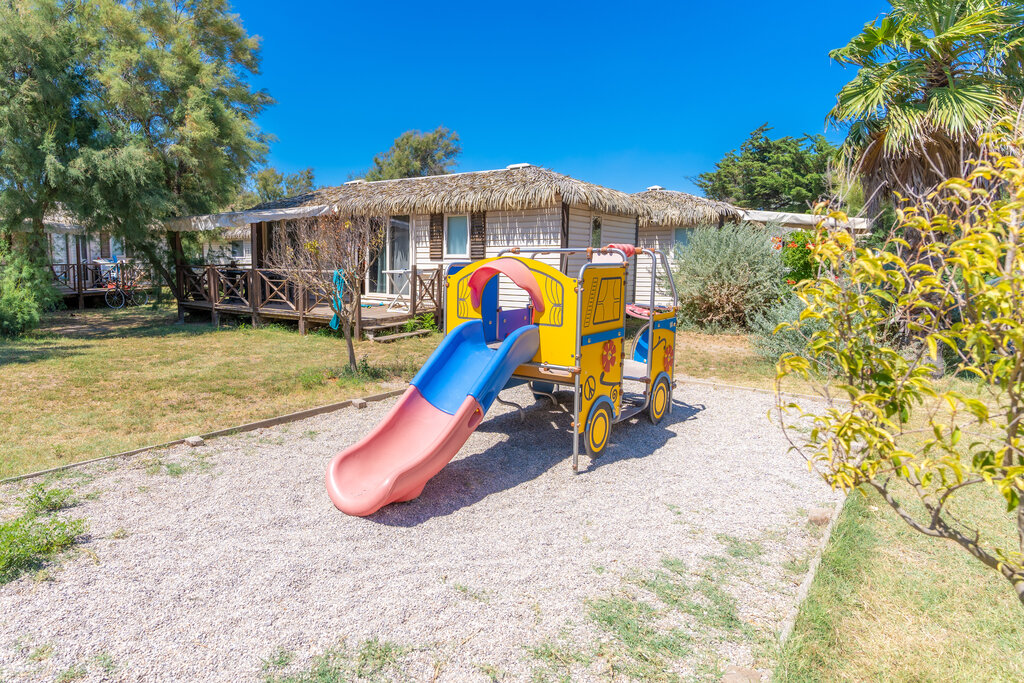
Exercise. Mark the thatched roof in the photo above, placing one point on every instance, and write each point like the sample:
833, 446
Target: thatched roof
517, 187
668, 208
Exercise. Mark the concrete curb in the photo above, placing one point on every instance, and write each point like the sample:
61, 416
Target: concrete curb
740, 387
260, 424
805, 585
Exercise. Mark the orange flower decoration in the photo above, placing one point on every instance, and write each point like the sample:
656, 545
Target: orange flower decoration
608, 355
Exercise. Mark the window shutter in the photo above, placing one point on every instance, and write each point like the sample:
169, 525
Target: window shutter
436, 236
478, 235
104, 245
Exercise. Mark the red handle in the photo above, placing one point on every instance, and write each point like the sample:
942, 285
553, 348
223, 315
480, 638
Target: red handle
629, 249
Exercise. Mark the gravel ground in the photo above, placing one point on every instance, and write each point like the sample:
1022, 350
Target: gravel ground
202, 563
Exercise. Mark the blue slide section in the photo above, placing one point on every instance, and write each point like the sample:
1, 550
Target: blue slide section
640, 352
464, 365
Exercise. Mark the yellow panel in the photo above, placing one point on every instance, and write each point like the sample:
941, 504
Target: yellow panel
600, 375
557, 322
603, 296
663, 349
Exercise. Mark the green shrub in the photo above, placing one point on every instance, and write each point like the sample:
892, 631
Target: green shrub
771, 344
424, 321
26, 291
28, 541
725, 275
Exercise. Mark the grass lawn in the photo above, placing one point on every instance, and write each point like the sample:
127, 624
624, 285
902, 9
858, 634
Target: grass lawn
98, 382
891, 604
726, 358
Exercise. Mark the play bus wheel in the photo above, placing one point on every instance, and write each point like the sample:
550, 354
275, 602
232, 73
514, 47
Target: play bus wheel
661, 399
599, 428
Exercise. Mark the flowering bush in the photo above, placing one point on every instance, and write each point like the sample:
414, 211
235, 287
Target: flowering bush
797, 248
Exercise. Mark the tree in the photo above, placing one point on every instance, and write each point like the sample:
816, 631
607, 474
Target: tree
300, 182
932, 74
887, 423
416, 154
177, 116
785, 174
46, 120
268, 185
314, 248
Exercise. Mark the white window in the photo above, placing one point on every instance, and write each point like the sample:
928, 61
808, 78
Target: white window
456, 236
682, 237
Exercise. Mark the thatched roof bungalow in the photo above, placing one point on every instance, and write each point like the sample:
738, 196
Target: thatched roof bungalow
68, 242
670, 209
668, 216
435, 220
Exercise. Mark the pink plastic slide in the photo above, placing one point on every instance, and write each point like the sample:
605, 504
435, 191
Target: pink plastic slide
445, 402
394, 462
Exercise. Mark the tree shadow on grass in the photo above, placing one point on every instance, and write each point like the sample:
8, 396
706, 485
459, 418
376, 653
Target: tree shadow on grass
533, 447
12, 354
117, 325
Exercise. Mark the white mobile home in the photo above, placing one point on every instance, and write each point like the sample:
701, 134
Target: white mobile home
437, 220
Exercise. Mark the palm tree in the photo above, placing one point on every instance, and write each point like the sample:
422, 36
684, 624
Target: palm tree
932, 74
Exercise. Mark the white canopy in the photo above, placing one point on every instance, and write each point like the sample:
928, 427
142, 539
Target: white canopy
803, 220
240, 219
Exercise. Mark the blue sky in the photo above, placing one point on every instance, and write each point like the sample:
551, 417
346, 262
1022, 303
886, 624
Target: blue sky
624, 95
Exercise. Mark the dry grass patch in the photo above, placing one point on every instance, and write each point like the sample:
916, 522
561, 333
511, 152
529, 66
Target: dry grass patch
98, 382
728, 358
891, 604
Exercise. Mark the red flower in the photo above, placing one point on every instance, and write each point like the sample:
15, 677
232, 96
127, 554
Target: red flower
791, 245
790, 282
669, 358
608, 355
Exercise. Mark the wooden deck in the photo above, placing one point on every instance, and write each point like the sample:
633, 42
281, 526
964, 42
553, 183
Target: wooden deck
264, 294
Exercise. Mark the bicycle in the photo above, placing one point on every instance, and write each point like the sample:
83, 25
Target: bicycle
124, 289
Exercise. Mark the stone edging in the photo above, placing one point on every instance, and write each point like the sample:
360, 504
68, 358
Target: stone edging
805, 585
812, 570
740, 387
269, 422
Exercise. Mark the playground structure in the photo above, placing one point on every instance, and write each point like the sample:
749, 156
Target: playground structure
571, 334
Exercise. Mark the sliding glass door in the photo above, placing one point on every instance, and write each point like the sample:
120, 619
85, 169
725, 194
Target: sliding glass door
386, 275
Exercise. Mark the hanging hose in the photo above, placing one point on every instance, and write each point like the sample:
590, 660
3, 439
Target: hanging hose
339, 292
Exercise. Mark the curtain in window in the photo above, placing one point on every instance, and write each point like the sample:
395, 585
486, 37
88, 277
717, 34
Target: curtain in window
458, 235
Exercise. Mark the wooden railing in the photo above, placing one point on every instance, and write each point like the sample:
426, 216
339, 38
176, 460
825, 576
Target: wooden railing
265, 289
426, 289
78, 277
